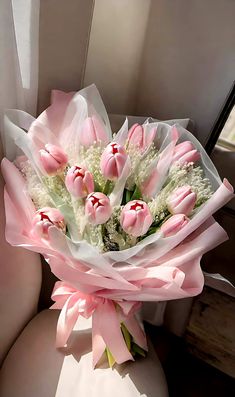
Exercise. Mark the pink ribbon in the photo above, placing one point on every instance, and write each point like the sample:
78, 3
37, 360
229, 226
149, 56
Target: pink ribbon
107, 315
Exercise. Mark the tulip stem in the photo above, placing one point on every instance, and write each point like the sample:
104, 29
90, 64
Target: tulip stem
137, 193
108, 187
133, 348
136, 349
128, 196
111, 359
126, 335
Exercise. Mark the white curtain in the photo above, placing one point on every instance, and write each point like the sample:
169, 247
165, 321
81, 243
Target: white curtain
19, 32
20, 270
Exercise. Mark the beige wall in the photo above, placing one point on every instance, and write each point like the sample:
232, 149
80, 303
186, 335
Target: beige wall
188, 65
168, 59
115, 51
64, 36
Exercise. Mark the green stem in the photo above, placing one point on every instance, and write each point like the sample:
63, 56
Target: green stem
108, 187
126, 335
137, 193
128, 196
136, 349
111, 359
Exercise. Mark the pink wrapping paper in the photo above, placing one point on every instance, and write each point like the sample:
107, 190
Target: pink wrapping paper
156, 269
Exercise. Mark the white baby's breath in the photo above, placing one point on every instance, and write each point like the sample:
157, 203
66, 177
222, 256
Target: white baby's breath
115, 239
180, 176
94, 235
56, 188
193, 176
140, 163
51, 191
35, 187
90, 158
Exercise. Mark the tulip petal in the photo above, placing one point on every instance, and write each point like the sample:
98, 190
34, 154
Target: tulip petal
96, 107
129, 220
101, 134
87, 135
48, 126
149, 137
181, 149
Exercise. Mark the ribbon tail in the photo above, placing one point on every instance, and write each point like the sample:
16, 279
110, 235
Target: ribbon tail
136, 332
98, 344
107, 327
66, 321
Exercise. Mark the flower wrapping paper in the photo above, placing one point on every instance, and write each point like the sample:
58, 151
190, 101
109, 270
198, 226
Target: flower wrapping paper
108, 285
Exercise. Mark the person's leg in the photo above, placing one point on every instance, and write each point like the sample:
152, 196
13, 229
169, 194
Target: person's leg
34, 368
33, 364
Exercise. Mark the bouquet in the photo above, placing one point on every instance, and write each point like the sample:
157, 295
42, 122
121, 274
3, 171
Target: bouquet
120, 218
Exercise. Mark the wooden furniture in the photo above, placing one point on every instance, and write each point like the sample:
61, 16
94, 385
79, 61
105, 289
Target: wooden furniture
210, 334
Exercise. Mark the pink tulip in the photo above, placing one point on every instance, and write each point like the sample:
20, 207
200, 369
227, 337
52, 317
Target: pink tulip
181, 200
136, 218
174, 224
112, 161
98, 208
139, 137
44, 219
79, 182
53, 159
185, 152
93, 130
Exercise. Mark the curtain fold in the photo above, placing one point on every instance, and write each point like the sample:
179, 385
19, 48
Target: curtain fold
19, 32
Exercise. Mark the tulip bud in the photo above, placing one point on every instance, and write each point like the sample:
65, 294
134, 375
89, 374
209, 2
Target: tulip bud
92, 131
79, 182
98, 208
53, 159
136, 218
44, 219
181, 201
174, 224
185, 152
139, 137
113, 160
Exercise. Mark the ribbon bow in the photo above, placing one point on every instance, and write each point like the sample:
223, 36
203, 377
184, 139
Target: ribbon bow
107, 316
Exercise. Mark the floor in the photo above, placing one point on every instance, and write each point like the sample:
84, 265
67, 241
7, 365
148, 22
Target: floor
186, 375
